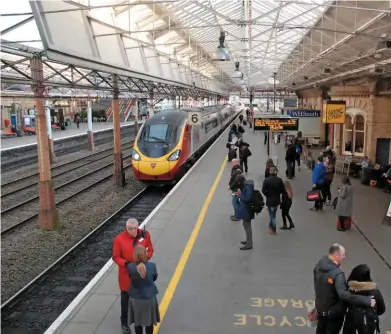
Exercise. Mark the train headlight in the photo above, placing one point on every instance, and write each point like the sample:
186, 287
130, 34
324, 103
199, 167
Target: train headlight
174, 156
136, 156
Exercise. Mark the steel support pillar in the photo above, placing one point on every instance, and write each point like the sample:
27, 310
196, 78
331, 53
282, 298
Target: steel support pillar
90, 133
48, 213
136, 113
52, 154
150, 105
119, 174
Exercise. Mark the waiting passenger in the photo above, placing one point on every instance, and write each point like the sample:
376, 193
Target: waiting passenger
266, 137
269, 164
272, 189
331, 292
329, 179
364, 163
233, 187
290, 157
318, 179
344, 207
245, 213
286, 204
143, 305
244, 154
123, 248
363, 320
299, 151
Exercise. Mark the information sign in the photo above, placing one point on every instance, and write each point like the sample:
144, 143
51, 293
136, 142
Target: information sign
194, 118
334, 112
276, 124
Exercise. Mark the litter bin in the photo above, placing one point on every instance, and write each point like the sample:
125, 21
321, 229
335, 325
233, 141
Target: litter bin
366, 175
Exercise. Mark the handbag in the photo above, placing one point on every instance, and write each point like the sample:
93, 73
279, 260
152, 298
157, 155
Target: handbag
312, 318
314, 195
335, 202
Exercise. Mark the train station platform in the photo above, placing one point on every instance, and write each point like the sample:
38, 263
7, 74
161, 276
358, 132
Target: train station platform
208, 285
73, 131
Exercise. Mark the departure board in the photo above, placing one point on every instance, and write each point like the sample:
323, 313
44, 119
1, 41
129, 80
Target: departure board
277, 124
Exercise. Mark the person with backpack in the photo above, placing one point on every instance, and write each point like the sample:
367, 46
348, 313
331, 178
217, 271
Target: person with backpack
247, 210
286, 203
273, 188
269, 164
318, 179
299, 151
235, 182
244, 154
331, 293
290, 157
363, 320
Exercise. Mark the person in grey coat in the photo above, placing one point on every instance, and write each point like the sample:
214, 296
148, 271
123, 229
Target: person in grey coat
344, 207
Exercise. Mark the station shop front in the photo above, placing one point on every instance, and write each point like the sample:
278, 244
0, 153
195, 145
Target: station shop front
367, 127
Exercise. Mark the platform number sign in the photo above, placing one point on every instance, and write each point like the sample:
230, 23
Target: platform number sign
194, 118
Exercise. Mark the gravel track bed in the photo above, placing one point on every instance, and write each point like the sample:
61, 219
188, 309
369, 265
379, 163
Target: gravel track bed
29, 187
33, 168
30, 208
31, 250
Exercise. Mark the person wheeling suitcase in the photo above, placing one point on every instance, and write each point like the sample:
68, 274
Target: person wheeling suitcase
344, 205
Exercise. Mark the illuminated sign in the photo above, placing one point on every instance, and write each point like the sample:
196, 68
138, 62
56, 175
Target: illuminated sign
334, 112
303, 113
276, 124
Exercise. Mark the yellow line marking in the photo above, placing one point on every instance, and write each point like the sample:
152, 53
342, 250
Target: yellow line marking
169, 294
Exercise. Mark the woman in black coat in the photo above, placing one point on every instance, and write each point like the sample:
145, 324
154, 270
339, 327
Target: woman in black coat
360, 282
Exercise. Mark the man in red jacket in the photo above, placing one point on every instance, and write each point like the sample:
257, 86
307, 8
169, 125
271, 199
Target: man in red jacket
123, 247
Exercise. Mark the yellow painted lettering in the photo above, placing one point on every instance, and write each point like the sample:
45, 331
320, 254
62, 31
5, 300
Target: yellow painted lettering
270, 323
297, 303
257, 317
310, 304
269, 302
241, 319
285, 322
300, 321
256, 302
283, 302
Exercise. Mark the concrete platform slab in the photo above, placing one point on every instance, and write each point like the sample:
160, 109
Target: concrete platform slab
8, 143
223, 289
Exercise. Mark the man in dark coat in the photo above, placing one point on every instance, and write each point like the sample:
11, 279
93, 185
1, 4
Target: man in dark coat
245, 213
290, 158
273, 188
244, 153
331, 292
233, 185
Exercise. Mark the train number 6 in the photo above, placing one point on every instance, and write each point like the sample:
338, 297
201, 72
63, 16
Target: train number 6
194, 118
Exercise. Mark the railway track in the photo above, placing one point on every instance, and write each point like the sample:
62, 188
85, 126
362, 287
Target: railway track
34, 308
30, 180
10, 163
21, 213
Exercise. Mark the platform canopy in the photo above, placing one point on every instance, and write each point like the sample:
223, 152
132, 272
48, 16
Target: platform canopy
175, 46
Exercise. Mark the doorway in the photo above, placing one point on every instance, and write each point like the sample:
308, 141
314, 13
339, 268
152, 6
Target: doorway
383, 151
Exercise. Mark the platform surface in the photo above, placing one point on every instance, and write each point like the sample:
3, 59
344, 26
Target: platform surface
7, 143
222, 289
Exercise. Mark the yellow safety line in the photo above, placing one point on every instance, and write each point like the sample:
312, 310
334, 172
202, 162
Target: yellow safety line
170, 291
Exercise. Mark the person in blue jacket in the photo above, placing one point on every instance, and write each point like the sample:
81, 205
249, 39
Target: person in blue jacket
245, 213
318, 180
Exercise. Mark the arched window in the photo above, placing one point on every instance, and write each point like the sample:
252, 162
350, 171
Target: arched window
348, 135
354, 135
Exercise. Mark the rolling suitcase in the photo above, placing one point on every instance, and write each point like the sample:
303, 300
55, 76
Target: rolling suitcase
347, 224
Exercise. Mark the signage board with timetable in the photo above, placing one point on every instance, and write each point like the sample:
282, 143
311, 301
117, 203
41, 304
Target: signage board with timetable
276, 124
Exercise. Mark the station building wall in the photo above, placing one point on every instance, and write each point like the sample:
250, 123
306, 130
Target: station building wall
368, 120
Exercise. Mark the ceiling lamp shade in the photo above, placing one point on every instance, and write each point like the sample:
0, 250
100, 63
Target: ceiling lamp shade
237, 73
272, 80
222, 53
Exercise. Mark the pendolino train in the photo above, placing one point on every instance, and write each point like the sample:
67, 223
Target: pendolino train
167, 143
